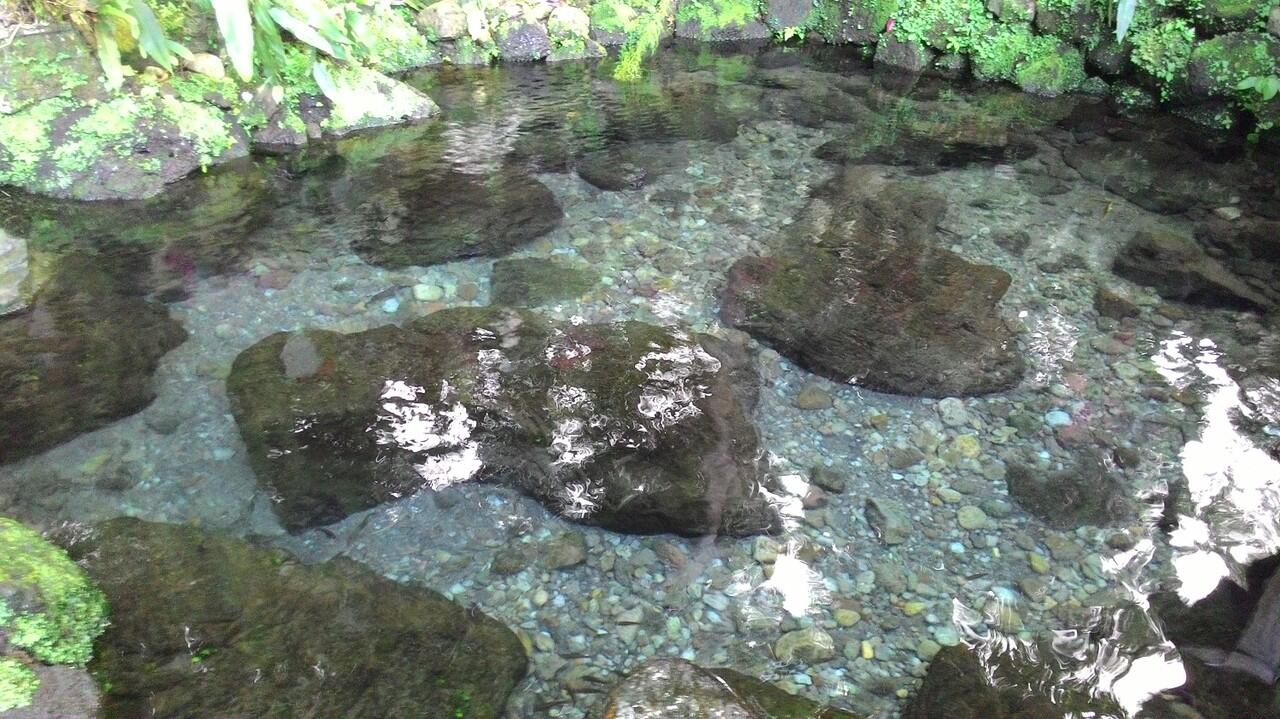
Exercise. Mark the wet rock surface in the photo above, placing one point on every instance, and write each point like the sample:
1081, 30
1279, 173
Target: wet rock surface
631, 427
211, 625
80, 357
450, 215
875, 302
663, 688
958, 686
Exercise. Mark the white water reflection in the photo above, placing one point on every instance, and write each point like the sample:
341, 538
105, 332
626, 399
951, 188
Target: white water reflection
1233, 485
417, 425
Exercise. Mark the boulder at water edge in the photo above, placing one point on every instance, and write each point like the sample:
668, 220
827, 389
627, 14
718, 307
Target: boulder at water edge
208, 626
80, 357
631, 427
870, 298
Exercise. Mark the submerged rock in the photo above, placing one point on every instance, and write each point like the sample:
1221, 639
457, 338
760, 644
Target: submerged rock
1088, 493
1155, 175
212, 626
874, 302
959, 685
450, 215
533, 281
78, 359
667, 688
630, 427
1179, 269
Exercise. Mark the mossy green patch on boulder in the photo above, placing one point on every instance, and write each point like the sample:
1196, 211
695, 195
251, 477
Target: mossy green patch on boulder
48, 607
37, 67
1218, 64
720, 20
1051, 72
1162, 51
362, 98
50, 612
205, 625
126, 147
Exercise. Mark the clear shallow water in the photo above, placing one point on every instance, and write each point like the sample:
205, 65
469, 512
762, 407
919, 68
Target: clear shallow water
720, 157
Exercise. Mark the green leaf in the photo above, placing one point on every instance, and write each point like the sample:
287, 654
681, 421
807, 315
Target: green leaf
270, 44
1124, 17
1248, 83
320, 71
108, 53
236, 25
151, 38
302, 31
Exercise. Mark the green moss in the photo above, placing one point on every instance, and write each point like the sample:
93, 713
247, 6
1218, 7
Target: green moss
18, 684
997, 53
711, 15
202, 124
1223, 61
948, 25
25, 140
1163, 51
1051, 71
56, 612
613, 16
394, 44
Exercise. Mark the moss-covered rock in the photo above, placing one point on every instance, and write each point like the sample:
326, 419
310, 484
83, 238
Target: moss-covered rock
126, 147
903, 55
1218, 64
79, 358
720, 20
660, 686
1218, 16
630, 426
45, 65
1179, 269
1051, 73
1086, 493
212, 626
50, 612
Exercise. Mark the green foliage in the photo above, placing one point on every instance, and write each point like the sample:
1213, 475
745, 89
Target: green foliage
1264, 88
18, 684
1163, 51
643, 41
714, 14
71, 611
951, 25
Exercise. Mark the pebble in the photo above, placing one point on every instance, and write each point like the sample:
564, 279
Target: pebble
811, 646
813, 397
971, 517
540, 597
1057, 418
953, 412
927, 649
390, 305
428, 293
847, 617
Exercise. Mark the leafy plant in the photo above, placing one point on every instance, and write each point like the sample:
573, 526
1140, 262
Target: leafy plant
1264, 87
643, 41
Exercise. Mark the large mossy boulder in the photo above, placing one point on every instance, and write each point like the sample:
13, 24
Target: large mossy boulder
206, 626
448, 215
873, 300
126, 147
630, 427
44, 65
80, 357
668, 688
961, 685
1218, 64
50, 614
534, 281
